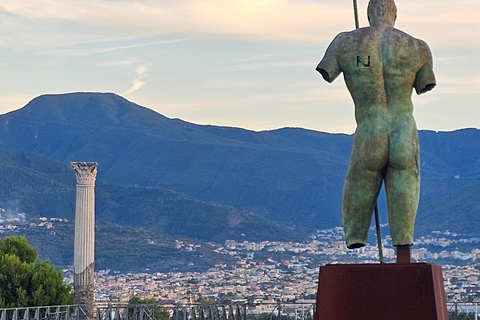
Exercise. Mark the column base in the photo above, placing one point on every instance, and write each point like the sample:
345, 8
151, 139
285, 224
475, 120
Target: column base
84, 291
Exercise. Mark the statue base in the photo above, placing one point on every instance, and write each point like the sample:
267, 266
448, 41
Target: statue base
381, 291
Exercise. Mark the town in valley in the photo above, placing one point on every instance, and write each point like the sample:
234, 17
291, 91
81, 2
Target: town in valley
269, 271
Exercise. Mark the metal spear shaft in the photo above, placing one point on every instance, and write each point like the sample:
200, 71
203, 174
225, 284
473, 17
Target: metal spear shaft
355, 12
377, 217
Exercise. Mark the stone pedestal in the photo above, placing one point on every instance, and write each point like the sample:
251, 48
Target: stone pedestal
84, 247
381, 291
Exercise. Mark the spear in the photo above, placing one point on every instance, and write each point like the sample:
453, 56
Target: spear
355, 12
377, 218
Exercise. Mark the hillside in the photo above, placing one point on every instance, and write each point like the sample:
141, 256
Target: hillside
269, 173
123, 249
44, 187
293, 176
458, 212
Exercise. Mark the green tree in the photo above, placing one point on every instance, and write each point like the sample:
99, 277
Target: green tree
25, 280
207, 300
454, 281
159, 312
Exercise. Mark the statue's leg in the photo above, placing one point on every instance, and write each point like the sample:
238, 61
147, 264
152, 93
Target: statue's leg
363, 183
402, 182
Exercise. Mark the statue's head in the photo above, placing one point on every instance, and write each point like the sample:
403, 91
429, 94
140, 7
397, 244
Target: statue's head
382, 12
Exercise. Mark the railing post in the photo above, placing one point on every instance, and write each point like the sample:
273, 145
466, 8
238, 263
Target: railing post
76, 313
58, 313
476, 310
125, 314
26, 314
230, 313
239, 313
210, 313
116, 313
108, 312
48, 312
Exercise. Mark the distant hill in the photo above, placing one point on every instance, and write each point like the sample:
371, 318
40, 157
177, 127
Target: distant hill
292, 176
123, 249
458, 212
44, 187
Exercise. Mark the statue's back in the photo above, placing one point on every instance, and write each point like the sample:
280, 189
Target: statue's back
380, 67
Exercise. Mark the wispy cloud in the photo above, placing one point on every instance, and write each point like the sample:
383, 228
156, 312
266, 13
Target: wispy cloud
120, 63
459, 86
261, 57
268, 65
107, 49
271, 20
141, 72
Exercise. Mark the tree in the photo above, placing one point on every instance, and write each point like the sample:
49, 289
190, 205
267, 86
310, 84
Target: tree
207, 300
25, 280
159, 313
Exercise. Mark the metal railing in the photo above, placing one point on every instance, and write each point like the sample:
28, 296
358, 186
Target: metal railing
463, 311
43, 313
242, 311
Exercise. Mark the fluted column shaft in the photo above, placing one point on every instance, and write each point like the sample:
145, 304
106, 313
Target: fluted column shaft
84, 247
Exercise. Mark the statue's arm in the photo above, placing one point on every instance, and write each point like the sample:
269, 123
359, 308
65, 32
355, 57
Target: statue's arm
425, 78
329, 67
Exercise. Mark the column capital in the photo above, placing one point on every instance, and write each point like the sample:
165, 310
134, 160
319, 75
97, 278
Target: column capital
85, 172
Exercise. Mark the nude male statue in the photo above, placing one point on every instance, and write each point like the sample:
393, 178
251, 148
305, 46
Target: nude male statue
381, 66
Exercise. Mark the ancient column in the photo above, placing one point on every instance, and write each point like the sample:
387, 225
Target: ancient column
84, 247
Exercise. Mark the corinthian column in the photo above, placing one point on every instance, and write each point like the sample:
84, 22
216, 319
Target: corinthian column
84, 248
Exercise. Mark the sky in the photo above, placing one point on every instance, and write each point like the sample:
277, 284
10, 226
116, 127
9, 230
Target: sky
237, 63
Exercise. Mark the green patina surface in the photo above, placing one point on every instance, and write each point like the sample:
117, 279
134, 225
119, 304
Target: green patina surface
381, 67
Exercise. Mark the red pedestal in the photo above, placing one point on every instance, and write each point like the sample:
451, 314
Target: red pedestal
381, 291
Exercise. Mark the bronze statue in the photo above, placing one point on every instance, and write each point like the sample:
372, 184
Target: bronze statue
381, 66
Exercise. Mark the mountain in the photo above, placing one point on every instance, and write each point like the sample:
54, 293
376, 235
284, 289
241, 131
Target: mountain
458, 212
289, 175
44, 187
293, 176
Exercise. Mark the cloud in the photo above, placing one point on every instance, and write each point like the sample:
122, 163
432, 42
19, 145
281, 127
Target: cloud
141, 69
107, 48
141, 72
120, 63
467, 85
270, 20
268, 65
136, 84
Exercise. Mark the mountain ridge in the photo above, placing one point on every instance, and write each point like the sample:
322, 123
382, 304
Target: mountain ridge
290, 175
